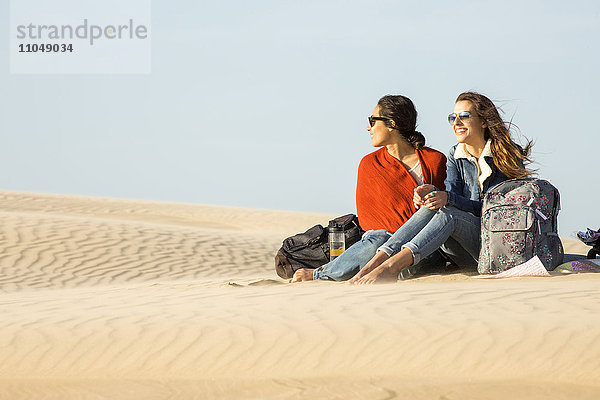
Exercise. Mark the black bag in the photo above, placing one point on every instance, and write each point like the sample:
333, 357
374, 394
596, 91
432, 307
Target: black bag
591, 238
311, 248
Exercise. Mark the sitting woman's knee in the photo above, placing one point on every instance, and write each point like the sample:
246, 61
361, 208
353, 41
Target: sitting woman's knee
375, 239
446, 212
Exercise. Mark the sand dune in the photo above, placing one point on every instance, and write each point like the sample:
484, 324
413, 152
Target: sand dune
104, 298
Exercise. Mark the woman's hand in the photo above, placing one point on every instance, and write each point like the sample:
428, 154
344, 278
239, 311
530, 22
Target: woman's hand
435, 200
421, 192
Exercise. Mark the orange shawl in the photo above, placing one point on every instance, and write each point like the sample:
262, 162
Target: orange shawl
384, 191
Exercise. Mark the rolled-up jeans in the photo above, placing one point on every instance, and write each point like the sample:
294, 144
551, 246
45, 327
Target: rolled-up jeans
347, 264
454, 231
359, 254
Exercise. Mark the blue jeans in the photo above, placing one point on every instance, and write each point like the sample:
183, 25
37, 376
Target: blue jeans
354, 258
360, 253
455, 232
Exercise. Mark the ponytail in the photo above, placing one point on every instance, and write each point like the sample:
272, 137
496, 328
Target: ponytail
415, 138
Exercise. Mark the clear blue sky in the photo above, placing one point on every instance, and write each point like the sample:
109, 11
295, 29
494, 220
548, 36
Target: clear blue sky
264, 103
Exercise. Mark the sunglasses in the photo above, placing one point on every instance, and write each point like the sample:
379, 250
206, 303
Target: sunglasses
373, 119
463, 116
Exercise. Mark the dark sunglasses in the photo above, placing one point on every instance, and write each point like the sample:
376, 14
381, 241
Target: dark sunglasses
373, 119
461, 116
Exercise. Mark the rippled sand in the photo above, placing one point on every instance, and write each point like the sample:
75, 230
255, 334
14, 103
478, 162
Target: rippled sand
103, 298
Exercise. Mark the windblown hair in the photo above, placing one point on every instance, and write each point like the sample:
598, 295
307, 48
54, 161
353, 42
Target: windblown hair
509, 157
402, 111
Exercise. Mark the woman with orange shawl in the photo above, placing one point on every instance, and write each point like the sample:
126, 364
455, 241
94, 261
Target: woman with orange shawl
390, 180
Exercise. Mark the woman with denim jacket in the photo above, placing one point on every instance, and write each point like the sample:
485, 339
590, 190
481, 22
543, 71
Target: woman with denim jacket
450, 220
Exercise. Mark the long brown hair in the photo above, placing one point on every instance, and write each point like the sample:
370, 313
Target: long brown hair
509, 157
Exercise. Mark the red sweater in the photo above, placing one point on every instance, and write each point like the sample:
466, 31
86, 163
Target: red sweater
385, 188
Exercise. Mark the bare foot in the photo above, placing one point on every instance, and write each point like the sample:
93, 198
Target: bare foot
303, 274
376, 261
389, 269
381, 274
366, 270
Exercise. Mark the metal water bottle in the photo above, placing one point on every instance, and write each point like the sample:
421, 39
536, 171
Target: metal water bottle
337, 241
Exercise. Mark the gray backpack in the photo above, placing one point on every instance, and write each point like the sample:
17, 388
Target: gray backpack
519, 220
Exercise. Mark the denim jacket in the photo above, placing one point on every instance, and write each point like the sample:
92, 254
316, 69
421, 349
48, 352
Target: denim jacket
462, 184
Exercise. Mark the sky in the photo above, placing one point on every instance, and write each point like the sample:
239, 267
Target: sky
264, 104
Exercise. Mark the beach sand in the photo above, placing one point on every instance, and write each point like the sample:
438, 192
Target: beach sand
119, 299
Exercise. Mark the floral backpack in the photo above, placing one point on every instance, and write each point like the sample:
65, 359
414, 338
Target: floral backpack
519, 220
